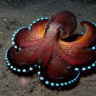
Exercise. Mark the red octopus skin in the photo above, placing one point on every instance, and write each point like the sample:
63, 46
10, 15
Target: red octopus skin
49, 43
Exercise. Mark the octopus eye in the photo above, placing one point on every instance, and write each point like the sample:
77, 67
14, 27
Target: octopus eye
60, 29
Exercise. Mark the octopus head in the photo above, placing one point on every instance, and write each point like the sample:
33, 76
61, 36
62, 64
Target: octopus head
53, 30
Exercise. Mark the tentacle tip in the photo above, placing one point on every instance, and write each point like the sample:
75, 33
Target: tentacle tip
82, 23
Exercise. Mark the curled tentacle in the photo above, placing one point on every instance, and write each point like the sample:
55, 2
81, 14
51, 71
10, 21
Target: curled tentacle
90, 35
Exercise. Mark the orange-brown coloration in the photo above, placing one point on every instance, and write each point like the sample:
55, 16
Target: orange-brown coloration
41, 29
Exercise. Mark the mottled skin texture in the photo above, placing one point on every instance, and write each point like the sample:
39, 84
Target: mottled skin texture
49, 44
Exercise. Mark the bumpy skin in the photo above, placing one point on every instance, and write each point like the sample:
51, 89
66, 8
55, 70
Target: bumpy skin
49, 44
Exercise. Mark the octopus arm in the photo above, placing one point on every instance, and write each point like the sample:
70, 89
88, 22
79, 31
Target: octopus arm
32, 35
75, 55
23, 56
57, 68
90, 35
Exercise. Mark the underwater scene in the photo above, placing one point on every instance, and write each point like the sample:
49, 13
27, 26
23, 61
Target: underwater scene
47, 47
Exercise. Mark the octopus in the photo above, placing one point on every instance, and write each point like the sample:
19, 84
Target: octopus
50, 47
